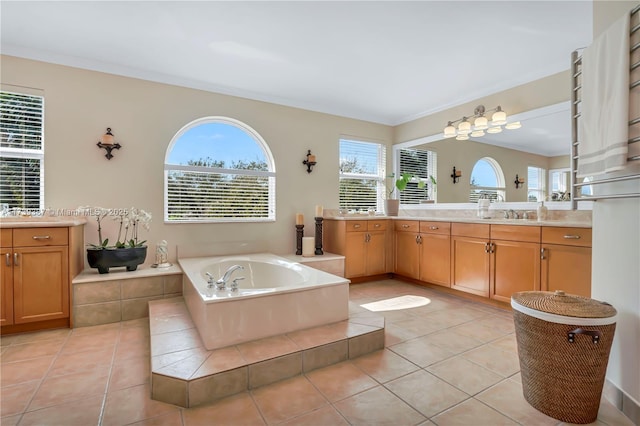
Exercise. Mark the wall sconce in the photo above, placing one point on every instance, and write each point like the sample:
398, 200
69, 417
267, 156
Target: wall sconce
108, 143
310, 161
456, 175
519, 181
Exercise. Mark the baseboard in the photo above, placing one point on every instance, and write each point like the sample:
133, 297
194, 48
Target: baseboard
622, 402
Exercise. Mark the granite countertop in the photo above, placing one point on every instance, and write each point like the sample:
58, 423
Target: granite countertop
41, 221
492, 221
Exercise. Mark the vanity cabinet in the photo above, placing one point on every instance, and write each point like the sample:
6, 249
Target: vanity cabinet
514, 255
423, 251
36, 276
566, 260
363, 243
470, 260
407, 248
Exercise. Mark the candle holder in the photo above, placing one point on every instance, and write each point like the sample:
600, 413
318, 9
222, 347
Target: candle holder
319, 236
299, 233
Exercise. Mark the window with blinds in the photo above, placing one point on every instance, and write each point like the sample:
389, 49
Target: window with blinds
218, 169
422, 165
362, 175
535, 184
21, 151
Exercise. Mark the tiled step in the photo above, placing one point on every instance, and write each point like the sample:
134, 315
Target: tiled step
185, 373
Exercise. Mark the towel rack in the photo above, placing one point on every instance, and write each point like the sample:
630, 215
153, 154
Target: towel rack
576, 71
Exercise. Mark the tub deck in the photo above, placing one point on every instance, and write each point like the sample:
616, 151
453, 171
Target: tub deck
185, 373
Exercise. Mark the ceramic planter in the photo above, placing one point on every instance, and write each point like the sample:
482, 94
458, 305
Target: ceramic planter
391, 207
103, 259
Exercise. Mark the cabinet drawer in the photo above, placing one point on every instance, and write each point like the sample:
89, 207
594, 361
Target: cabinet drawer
530, 234
37, 237
376, 225
566, 236
473, 230
407, 225
6, 237
356, 225
435, 228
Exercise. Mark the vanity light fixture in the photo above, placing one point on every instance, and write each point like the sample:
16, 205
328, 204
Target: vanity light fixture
456, 175
108, 143
310, 161
481, 124
519, 181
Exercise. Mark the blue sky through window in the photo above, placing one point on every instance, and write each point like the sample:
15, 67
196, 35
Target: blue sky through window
218, 141
484, 174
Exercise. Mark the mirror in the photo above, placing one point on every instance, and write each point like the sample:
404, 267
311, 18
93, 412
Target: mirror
538, 153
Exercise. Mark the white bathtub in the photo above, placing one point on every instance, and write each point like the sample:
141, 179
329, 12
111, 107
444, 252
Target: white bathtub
277, 296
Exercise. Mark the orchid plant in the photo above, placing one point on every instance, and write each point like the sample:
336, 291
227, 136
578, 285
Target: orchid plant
129, 221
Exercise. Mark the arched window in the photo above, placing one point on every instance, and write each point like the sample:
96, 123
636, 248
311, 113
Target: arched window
218, 169
487, 180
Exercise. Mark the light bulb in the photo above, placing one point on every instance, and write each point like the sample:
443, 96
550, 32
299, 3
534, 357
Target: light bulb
462, 137
499, 117
496, 129
464, 128
513, 126
477, 133
449, 131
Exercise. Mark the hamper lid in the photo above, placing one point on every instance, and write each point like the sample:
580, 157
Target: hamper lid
563, 308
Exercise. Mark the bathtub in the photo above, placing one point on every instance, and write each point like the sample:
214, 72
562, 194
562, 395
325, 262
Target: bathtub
277, 296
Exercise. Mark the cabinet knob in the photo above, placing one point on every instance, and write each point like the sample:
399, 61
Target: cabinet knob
405, 226
376, 225
433, 228
356, 226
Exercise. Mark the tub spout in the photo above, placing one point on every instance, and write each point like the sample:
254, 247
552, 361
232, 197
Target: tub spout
222, 281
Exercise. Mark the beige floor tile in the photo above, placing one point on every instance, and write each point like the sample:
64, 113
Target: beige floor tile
422, 351
287, 399
90, 342
610, 415
507, 343
465, 375
235, 410
506, 397
132, 349
130, 372
502, 362
10, 420
131, 405
271, 347
12, 373
169, 323
326, 415
16, 398
273, 370
394, 334
174, 418
21, 352
598, 422
38, 336
186, 367
160, 361
384, 365
6, 340
104, 330
70, 387
78, 362
133, 333
74, 413
426, 393
454, 341
175, 341
482, 332
516, 377
420, 326
373, 320
502, 321
378, 406
351, 381
220, 360
472, 412
317, 336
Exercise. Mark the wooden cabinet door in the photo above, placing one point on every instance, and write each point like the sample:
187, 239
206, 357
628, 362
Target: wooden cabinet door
41, 284
355, 264
515, 266
376, 258
6, 287
470, 265
407, 255
566, 268
435, 259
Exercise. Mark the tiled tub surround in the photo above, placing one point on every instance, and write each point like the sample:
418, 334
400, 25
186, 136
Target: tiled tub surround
121, 295
452, 361
185, 373
276, 296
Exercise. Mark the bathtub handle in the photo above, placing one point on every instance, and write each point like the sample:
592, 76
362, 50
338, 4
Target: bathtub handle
210, 281
234, 283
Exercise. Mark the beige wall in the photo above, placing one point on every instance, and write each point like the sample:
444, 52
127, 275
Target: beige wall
144, 116
464, 154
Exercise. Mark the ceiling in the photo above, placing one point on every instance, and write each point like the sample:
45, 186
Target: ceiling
385, 61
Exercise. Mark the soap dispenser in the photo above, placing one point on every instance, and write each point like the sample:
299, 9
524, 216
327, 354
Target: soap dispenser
542, 211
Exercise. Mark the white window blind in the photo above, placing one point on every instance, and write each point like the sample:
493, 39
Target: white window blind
362, 175
219, 170
535, 184
421, 164
21, 150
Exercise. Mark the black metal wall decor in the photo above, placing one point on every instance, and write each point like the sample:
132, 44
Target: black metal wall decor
310, 161
108, 143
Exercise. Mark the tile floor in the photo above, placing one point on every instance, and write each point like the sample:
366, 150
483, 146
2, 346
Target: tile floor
452, 362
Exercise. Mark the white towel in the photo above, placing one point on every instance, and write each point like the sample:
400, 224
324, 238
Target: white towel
604, 123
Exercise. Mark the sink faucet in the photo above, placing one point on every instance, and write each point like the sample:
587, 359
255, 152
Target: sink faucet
222, 281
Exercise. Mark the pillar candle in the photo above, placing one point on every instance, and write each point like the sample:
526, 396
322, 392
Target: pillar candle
299, 219
308, 246
312, 159
318, 211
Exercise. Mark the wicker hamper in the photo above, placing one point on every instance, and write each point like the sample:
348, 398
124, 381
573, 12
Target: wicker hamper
563, 346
